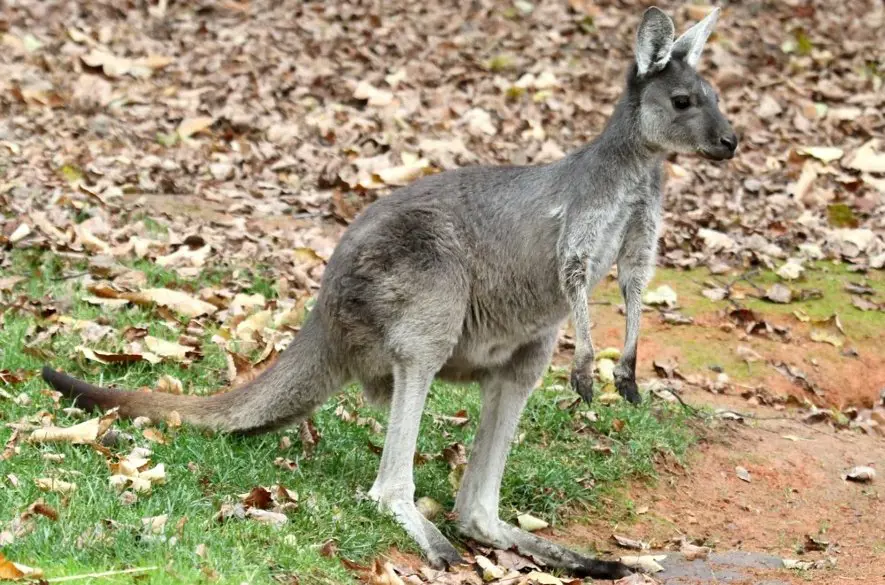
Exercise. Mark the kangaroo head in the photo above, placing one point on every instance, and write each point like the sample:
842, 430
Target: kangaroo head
678, 111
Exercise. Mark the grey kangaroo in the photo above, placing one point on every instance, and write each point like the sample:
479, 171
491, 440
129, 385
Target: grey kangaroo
468, 275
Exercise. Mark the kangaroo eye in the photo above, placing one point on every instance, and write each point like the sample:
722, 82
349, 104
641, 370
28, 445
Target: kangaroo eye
681, 102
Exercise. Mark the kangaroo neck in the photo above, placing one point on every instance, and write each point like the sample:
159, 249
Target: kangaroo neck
620, 145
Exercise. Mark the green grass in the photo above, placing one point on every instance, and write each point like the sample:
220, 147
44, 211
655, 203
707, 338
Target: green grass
699, 349
829, 278
205, 469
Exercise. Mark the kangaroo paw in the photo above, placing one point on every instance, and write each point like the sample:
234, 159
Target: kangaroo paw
503, 535
628, 389
437, 549
582, 383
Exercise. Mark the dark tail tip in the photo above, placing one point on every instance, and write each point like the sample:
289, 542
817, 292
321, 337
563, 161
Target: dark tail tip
610, 570
86, 395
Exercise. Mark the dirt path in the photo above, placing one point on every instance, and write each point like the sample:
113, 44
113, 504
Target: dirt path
795, 490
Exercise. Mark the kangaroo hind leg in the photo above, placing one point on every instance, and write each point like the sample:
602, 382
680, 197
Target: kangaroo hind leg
505, 394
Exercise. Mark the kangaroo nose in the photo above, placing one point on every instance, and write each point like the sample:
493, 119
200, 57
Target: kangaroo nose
730, 141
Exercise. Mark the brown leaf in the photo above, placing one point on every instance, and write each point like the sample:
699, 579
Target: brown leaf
275, 519
630, 543
190, 126
104, 357
310, 436
865, 304
11, 445
286, 464
813, 544
43, 509
155, 436
10, 571
178, 301
455, 455
513, 561
692, 552
241, 370
258, 498
459, 419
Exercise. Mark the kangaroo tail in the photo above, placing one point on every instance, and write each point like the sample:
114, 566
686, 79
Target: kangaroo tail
285, 393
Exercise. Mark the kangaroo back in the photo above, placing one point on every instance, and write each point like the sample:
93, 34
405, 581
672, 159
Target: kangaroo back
300, 380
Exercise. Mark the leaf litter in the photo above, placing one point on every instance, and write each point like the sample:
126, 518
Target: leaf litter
128, 141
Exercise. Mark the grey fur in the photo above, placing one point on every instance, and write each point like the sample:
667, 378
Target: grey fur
690, 45
468, 276
654, 41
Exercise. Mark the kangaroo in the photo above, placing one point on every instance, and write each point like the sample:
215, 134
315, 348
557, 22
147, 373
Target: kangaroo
468, 275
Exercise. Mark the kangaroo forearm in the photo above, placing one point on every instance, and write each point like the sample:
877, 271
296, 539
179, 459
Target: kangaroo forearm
576, 290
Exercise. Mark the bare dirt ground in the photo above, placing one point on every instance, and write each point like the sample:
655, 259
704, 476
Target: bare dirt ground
795, 490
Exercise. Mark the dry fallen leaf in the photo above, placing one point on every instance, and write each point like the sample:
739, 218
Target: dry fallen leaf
10, 571
630, 543
868, 158
645, 563
168, 349
155, 435
825, 154
155, 475
531, 524
275, 519
178, 301
170, 385
822, 336
155, 524
489, 570
778, 293
661, 296
542, 578
254, 325
636, 579
692, 552
428, 507
606, 370
860, 474
50, 484
374, 96
85, 432
105, 357
809, 565
190, 126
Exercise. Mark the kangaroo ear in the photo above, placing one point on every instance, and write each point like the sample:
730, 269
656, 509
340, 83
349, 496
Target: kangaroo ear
690, 45
654, 41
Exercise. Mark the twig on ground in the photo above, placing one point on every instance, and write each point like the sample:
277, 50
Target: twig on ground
70, 276
103, 574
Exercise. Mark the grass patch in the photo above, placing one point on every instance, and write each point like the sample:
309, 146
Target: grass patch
700, 348
829, 278
549, 472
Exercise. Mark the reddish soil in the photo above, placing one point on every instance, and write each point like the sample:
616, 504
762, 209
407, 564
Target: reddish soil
796, 489
845, 381
796, 486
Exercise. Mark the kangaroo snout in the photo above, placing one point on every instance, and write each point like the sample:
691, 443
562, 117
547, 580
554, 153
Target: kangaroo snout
722, 149
726, 148
729, 141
